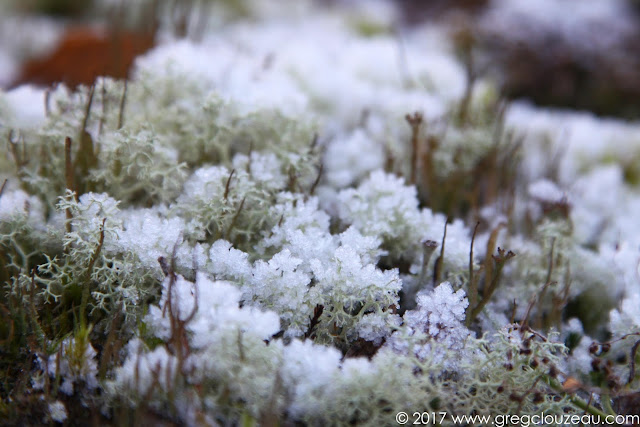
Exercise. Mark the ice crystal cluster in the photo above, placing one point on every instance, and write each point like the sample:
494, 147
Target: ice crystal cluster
262, 227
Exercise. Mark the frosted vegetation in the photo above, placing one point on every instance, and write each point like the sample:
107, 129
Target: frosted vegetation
305, 217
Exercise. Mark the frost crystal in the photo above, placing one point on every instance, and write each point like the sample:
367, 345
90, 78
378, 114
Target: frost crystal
57, 411
436, 324
350, 159
309, 370
75, 363
18, 203
384, 207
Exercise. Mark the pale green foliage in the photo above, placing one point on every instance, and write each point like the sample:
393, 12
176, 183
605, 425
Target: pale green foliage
510, 374
222, 203
220, 349
497, 379
83, 266
39, 164
136, 169
21, 242
551, 269
208, 130
371, 393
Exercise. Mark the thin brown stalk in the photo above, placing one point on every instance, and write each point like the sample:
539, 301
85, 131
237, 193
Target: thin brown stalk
111, 347
69, 180
543, 293
415, 121
228, 184
437, 271
4, 184
86, 291
68, 164
104, 108
513, 312
40, 335
632, 363
499, 261
473, 285
87, 110
235, 218
428, 247
123, 101
317, 180
491, 247
525, 321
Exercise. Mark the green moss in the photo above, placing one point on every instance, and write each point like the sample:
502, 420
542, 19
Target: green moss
367, 28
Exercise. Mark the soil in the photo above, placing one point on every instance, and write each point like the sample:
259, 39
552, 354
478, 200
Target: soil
84, 54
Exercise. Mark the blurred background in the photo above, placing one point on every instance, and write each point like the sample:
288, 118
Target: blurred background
578, 54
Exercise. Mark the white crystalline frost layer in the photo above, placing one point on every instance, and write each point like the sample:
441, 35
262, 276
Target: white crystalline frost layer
263, 66
436, 326
545, 190
57, 411
17, 203
26, 104
216, 308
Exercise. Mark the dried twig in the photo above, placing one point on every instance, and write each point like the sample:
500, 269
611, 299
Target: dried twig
415, 121
317, 180
123, 101
228, 184
632, 362
4, 184
473, 285
437, 270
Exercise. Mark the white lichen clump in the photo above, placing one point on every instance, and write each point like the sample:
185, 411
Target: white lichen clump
251, 236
